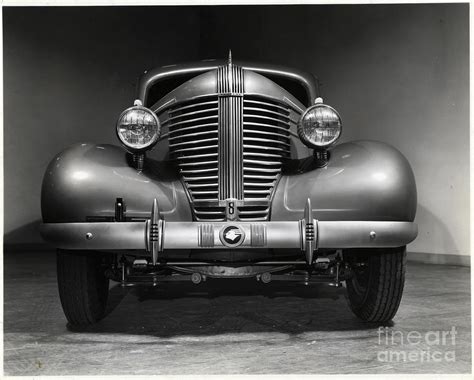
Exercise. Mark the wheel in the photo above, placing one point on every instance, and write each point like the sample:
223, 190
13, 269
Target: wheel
83, 286
375, 289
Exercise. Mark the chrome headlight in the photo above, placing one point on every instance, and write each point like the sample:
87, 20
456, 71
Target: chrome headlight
138, 128
319, 126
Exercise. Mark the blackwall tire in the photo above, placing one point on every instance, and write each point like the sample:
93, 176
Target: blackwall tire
375, 292
83, 286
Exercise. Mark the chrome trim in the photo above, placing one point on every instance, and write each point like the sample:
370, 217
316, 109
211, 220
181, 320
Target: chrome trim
114, 235
206, 235
258, 235
230, 80
185, 235
151, 77
357, 234
155, 229
242, 140
309, 230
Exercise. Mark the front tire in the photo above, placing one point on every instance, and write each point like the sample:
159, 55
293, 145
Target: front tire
376, 286
83, 286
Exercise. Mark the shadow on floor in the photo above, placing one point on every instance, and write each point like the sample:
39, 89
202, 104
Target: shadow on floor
227, 306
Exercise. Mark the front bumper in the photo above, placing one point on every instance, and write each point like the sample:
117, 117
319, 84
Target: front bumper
156, 235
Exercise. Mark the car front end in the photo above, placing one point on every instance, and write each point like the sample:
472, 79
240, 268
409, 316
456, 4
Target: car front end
250, 183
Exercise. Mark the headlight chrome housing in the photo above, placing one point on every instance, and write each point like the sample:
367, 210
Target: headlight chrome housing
138, 128
320, 126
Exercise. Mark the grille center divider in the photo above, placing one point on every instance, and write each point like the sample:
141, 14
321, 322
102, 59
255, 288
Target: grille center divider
230, 87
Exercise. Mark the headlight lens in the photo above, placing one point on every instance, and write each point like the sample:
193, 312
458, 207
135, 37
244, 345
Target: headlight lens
138, 128
320, 126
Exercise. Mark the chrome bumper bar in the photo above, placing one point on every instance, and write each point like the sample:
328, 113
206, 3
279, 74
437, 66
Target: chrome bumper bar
156, 235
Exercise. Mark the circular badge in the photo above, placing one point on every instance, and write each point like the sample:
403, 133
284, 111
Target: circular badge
232, 236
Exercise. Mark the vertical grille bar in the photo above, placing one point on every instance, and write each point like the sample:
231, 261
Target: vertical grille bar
230, 132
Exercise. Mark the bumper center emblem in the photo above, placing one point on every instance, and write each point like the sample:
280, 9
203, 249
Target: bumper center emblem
232, 236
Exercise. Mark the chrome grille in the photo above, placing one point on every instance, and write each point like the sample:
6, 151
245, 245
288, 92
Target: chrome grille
193, 143
229, 147
266, 144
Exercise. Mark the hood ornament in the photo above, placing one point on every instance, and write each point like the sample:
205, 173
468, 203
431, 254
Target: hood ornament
230, 58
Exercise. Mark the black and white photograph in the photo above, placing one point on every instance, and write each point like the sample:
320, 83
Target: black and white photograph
236, 189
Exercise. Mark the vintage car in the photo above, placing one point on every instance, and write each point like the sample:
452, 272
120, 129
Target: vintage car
245, 180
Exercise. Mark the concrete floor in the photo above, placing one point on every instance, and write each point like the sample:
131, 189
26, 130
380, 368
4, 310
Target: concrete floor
233, 326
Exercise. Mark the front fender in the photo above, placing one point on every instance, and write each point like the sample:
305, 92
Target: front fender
364, 180
84, 181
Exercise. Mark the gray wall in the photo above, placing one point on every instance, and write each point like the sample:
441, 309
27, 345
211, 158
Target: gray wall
397, 73
68, 73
